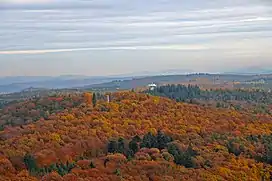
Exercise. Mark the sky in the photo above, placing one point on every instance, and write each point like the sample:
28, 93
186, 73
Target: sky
113, 37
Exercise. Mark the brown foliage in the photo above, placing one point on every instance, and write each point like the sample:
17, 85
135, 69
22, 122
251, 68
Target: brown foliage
83, 131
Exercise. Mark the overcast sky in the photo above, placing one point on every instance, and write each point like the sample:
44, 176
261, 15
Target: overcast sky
106, 37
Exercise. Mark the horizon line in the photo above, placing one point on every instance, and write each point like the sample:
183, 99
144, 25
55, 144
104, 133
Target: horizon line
139, 75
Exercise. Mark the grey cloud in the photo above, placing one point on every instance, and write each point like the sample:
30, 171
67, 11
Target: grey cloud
84, 27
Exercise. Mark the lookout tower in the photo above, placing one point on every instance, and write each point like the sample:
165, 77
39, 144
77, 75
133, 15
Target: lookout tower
108, 98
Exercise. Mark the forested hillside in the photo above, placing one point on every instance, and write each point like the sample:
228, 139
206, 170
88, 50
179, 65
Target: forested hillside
24, 111
133, 137
258, 101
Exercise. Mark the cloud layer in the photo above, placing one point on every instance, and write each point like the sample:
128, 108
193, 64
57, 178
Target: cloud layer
238, 30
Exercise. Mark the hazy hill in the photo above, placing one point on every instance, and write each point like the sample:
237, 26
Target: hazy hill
17, 84
251, 71
169, 79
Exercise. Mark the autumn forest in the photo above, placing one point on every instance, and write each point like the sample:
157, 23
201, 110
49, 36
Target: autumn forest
174, 132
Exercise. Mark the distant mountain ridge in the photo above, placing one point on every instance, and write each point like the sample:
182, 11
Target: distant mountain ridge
126, 81
17, 84
27, 79
251, 71
172, 79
